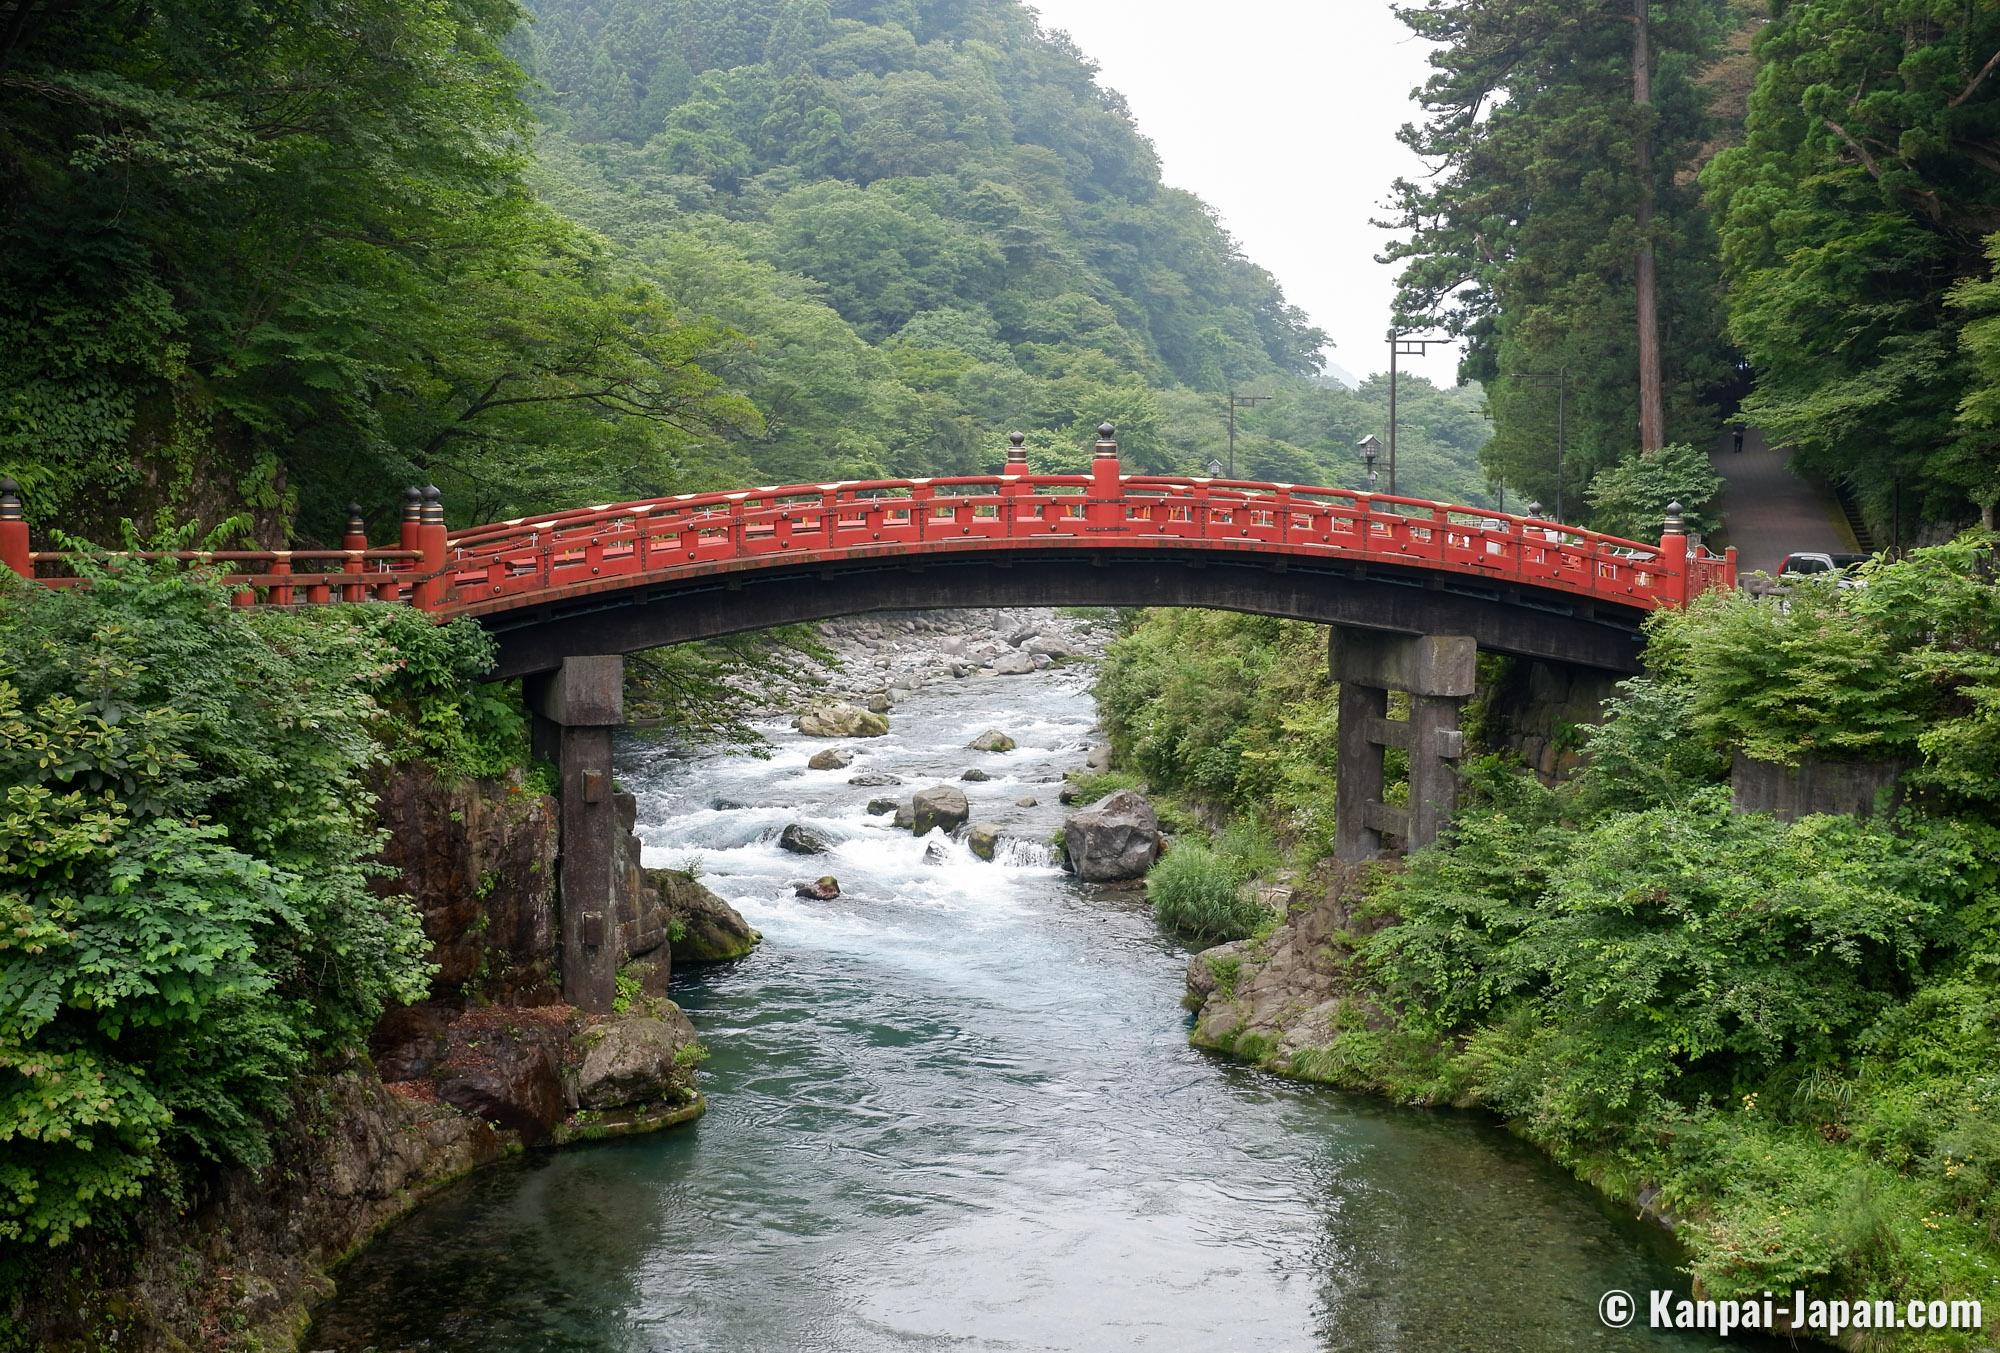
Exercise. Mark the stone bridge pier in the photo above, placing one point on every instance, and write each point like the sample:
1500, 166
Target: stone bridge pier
574, 711
1438, 673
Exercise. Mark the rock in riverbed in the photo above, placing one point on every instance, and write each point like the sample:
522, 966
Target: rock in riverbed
703, 927
1118, 837
823, 889
802, 840
983, 839
838, 719
992, 740
871, 779
832, 758
634, 1061
975, 775
939, 806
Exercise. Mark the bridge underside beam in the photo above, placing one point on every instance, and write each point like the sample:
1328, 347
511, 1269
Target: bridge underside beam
1505, 618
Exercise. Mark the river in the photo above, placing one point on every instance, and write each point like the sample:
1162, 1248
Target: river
956, 1109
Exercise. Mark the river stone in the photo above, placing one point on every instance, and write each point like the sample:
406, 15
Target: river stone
802, 840
511, 1078
992, 740
906, 816
961, 670
1026, 801
937, 852
1023, 634
703, 928
939, 806
1041, 662
874, 779
838, 719
1118, 837
879, 703
1013, 664
822, 889
1052, 648
975, 774
982, 839
832, 758
631, 1061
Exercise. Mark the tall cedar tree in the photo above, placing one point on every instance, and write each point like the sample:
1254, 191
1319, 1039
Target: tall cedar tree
1854, 221
1560, 213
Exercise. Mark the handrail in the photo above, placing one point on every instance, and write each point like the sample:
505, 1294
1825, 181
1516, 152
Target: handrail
529, 560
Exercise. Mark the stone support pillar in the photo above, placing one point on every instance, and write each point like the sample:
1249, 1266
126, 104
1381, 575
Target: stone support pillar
1438, 673
575, 710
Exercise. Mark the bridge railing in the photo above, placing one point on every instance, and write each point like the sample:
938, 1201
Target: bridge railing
506, 564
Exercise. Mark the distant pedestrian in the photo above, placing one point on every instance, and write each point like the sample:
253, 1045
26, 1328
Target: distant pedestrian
1739, 431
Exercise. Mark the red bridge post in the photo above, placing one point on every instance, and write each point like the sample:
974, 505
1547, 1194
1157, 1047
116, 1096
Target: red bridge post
1674, 557
14, 552
429, 594
1106, 508
354, 541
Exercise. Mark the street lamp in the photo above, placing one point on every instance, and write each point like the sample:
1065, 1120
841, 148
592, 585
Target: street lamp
1557, 380
1371, 447
1236, 402
1402, 345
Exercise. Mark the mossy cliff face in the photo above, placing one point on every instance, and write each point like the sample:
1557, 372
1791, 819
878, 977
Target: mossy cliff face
491, 1063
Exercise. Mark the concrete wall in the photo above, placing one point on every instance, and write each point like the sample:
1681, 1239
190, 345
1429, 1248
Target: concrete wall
1815, 785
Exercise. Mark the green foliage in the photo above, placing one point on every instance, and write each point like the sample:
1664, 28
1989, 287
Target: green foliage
1089, 787
1232, 709
1193, 890
188, 901
1630, 498
1903, 667
1853, 219
1526, 238
706, 692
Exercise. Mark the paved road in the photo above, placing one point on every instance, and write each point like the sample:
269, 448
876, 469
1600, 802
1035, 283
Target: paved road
1768, 511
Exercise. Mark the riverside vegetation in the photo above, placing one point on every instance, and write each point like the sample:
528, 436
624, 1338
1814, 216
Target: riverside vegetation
1783, 1036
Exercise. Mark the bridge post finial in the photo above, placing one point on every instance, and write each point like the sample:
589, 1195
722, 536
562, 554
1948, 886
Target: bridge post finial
1017, 454
355, 537
14, 551
413, 518
433, 511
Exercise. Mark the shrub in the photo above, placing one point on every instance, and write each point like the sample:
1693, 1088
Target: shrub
187, 917
1193, 891
1630, 498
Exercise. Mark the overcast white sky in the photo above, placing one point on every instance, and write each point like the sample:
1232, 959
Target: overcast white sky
1283, 115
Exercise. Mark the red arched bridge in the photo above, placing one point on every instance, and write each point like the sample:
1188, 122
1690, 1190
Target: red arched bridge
628, 576
1411, 590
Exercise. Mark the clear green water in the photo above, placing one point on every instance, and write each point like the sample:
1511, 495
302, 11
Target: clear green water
957, 1110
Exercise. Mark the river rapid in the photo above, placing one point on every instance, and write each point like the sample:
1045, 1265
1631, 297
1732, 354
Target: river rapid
956, 1109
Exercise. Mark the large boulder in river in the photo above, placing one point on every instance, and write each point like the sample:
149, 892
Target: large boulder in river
939, 806
1118, 837
1013, 664
831, 758
822, 889
702, 927
802, 840
983, 840
992, 740
838, 719
636, 1060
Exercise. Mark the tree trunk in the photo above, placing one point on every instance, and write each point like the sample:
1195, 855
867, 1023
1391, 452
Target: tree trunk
1652, 413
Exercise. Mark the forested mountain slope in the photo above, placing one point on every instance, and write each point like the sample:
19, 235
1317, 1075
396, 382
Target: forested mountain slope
273, 262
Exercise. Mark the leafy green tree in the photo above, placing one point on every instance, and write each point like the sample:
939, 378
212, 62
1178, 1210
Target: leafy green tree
1859, 199
1556, 196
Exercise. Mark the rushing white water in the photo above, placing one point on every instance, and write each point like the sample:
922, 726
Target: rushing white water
956, 1109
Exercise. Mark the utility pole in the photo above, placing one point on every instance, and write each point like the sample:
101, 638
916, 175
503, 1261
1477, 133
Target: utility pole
1558, 380
1652, 412
1402, 345
1236, 402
